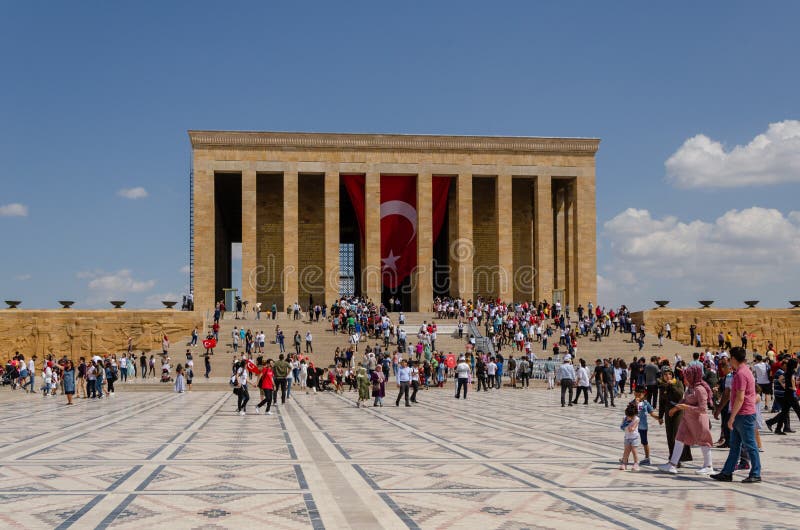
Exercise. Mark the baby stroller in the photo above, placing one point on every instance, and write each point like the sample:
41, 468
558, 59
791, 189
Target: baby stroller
5, 378
165, 377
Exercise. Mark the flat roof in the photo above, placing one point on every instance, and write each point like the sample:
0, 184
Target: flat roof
389, 142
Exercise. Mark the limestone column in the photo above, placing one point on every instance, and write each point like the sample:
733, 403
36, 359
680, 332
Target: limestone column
204, 237
289, 276
543, 238
372, 225
585, 229
570, 237
558, 245
462, 250
424, 273
249, 238
505, 250
331, 236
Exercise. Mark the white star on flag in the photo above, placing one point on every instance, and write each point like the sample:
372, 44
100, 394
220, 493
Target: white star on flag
390, 261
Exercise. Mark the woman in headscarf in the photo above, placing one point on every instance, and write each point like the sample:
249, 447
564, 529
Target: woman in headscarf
378, 380
694, 427
363, 385
670, 394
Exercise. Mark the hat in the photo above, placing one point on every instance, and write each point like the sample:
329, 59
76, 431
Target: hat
666, 370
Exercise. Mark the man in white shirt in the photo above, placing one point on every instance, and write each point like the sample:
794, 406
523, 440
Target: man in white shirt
763, 384
462, 376
566, 374
491, 372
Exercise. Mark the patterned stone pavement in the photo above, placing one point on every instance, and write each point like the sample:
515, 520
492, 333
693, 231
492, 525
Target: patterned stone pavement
503, 459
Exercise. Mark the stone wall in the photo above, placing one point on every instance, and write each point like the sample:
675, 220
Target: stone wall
311, 238
779, 326
82, 333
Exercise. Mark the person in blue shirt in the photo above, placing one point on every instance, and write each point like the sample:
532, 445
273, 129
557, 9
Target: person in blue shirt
645, 409
499, 373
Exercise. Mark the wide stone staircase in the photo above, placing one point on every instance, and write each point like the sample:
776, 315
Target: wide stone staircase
325, 343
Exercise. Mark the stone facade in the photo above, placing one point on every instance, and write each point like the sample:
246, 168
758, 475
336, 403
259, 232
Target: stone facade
77, 333
301, 228
779, 326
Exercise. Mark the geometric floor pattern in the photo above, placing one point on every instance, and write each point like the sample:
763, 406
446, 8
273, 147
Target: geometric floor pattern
508, 459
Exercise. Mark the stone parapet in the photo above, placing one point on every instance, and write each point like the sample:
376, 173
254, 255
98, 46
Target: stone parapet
779, 326
77, 333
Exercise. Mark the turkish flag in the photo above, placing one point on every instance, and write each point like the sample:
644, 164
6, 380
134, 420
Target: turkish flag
450, 360
251, 367
209, 343
398, 228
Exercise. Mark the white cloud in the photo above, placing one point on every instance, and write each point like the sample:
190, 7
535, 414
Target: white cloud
115, 283
751, 252
133, 193
772, 157
14, 209
185, 269
23, 277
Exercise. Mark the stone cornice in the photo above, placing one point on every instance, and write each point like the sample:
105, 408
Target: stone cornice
390, 142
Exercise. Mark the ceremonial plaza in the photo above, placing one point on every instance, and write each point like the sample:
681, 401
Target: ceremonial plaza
380, 276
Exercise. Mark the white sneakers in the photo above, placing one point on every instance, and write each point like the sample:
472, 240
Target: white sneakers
241, 413
705, 470
268, 413
668, 468
258, 409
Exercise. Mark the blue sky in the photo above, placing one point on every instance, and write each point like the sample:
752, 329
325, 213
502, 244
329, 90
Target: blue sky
97, 97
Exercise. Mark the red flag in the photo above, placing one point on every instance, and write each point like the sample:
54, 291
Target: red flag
450, 360
398, 228
251, 367
209, 343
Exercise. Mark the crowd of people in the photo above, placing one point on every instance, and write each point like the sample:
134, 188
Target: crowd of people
679, 394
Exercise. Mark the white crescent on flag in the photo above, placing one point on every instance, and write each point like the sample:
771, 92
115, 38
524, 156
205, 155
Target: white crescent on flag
402, 209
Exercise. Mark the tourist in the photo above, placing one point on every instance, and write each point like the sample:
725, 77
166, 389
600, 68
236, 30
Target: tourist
414, 368
789, 398
91, 376
671, 392
630, 427
462, 377
480, 373
694, 427
239, 380
309, 345
608, 377
281, 370
207, 361
524, 372
644, 410
403, 381
378, 380
742, 422
764, 385
266, 383
180, 381
582, 383
363, 383
69, 381
189, 374
566, 374
303, 374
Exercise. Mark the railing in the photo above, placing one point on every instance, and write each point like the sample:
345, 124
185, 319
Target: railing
481, 343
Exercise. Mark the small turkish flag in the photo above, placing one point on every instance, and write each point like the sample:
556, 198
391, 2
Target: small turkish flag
209, 343
450, 360
251, 367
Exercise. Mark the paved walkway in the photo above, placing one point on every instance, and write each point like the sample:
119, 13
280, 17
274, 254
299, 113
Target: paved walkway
508, 459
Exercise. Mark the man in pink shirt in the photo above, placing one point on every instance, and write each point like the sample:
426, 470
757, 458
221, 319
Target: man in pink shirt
742, 422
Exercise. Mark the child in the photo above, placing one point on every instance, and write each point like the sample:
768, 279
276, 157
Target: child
644, 409
630, 426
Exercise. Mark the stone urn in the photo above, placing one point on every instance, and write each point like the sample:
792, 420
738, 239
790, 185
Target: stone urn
118, 303
12, 304
168, 303
751, 303
661, 303
705, 303
795, 303
66, 304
